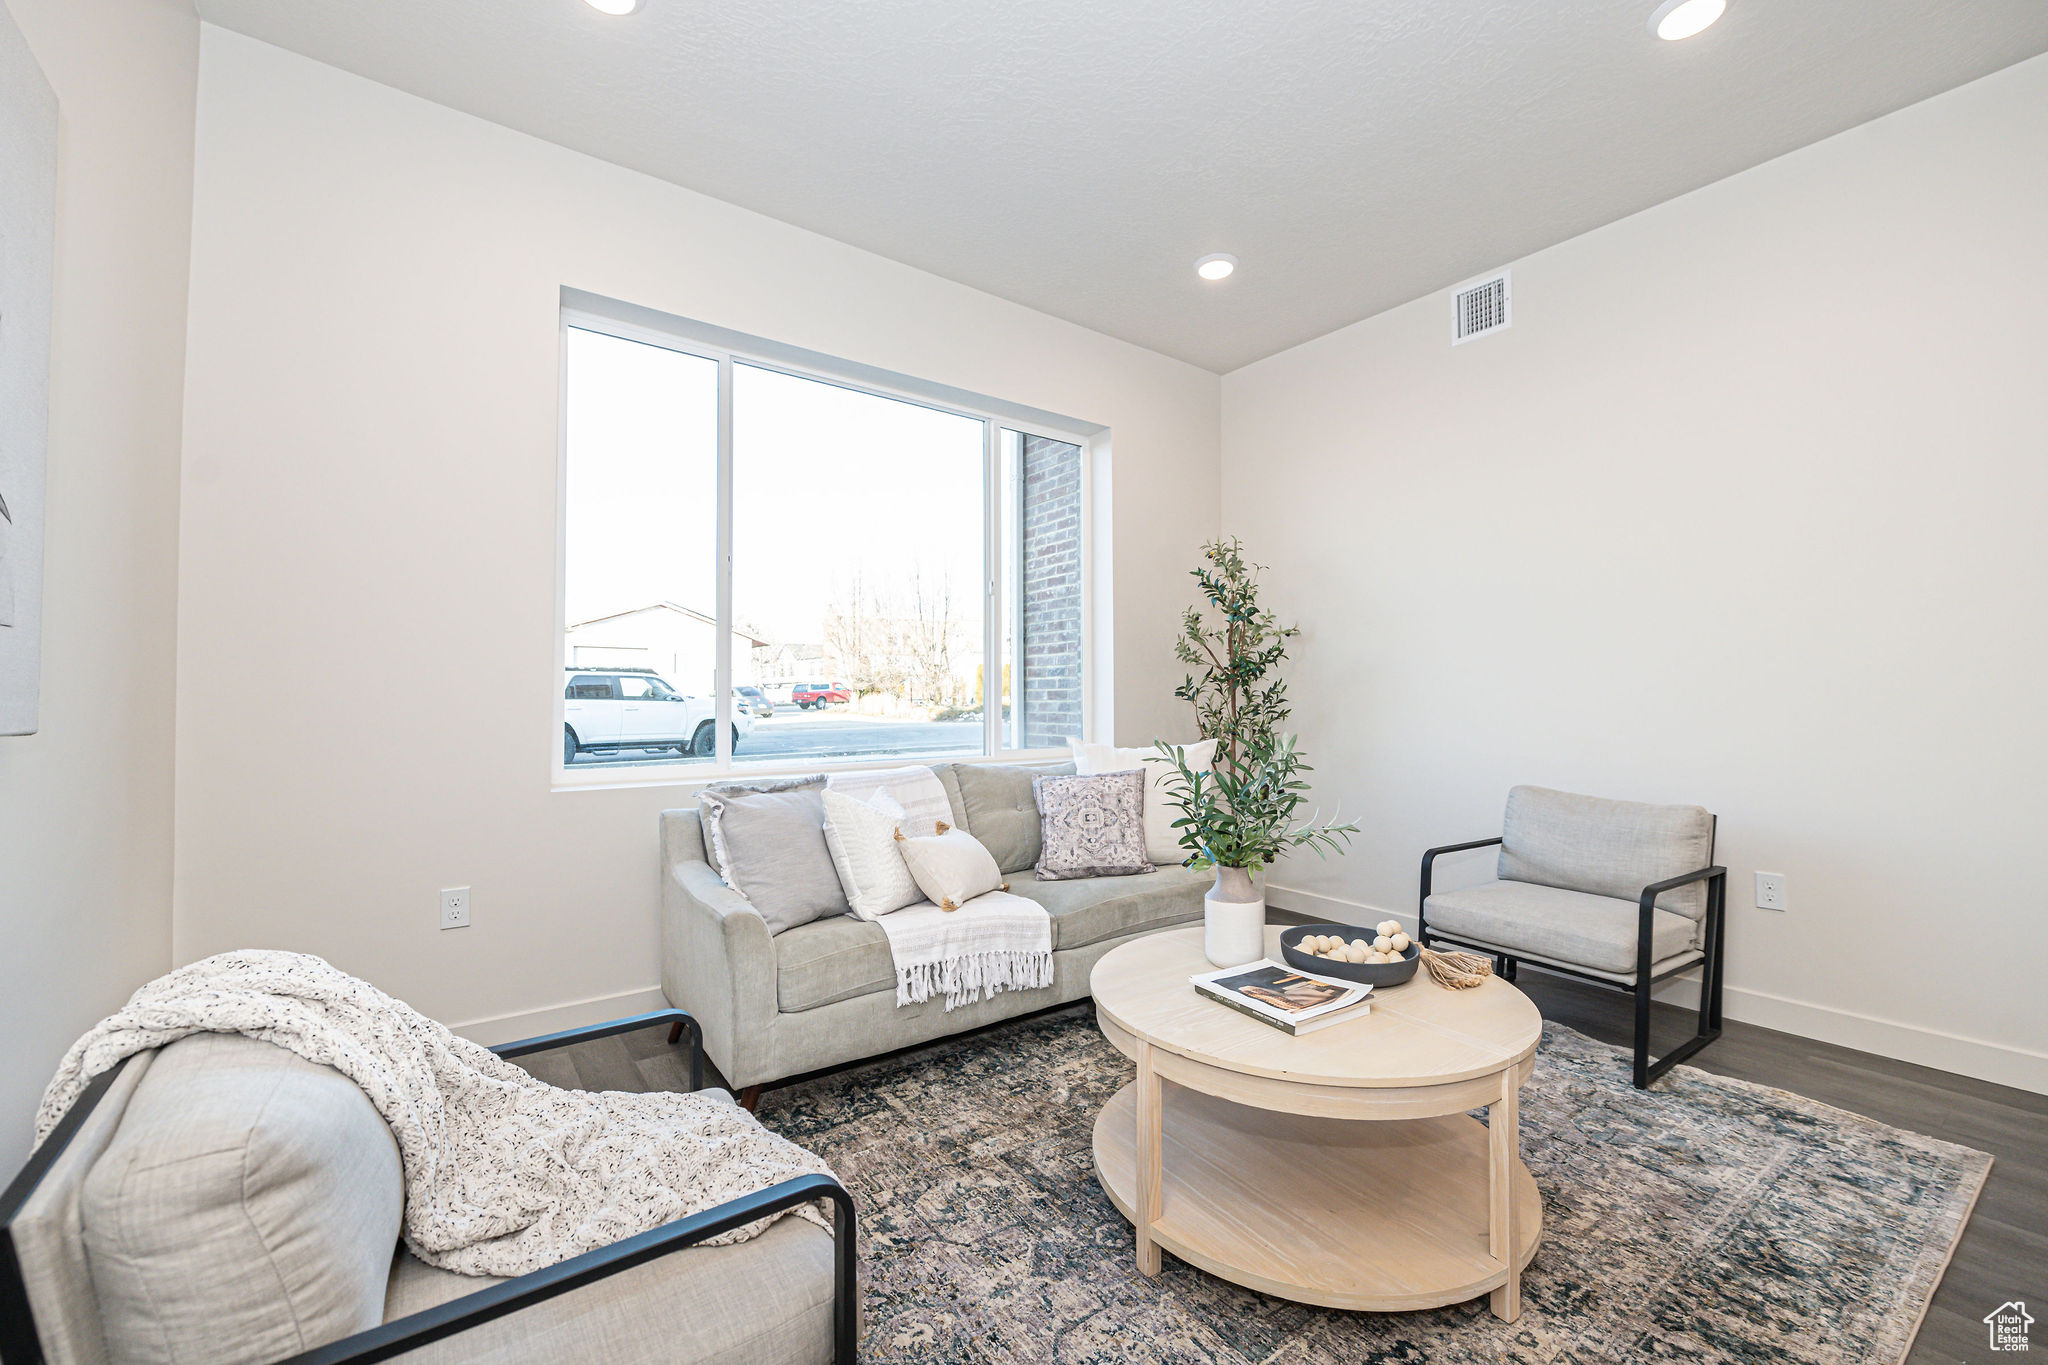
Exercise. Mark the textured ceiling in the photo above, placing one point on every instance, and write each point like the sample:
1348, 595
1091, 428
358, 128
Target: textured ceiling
1077, 156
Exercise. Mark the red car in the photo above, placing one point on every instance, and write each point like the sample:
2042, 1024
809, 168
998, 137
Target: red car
808, 696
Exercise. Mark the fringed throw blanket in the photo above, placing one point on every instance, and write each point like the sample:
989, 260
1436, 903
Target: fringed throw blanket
997, 942
503, 1174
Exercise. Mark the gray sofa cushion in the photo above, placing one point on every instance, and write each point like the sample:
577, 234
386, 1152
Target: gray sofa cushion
765, 1299
769, 845
1606, 848
246, 1209
830, 960
1570, 927
1085, 912
994, 803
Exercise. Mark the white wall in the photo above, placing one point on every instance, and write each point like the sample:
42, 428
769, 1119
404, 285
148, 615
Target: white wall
85, 805
367, 636
1747, 510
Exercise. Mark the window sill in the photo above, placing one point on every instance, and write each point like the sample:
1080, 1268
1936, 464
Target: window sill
613, 778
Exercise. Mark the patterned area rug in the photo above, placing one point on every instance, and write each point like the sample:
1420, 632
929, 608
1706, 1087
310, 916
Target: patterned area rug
1707, 1220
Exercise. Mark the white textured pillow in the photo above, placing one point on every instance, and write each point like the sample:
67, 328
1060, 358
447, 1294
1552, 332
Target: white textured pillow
862, 838
915, 788
951, 867
1162, 840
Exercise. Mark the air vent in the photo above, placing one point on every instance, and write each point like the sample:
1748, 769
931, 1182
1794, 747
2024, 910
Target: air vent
1481, 308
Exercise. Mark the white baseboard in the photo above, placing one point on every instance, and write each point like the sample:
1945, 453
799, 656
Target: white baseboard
507, 1028
1999, 1063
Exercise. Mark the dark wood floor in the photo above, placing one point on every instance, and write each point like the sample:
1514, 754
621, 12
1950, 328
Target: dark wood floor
2004, 1251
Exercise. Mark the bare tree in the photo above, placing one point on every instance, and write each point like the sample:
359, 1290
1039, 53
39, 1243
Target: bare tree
930, 629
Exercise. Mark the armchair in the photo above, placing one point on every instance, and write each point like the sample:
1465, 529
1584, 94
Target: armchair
52, 1306
1616, 892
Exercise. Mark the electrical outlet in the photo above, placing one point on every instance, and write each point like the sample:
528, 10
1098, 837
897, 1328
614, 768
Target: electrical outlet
1770, 891
455, 907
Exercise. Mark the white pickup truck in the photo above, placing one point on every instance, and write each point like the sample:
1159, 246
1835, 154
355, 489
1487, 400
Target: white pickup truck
608, 710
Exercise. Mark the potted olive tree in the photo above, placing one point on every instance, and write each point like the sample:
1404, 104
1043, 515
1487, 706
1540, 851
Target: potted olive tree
1242, 813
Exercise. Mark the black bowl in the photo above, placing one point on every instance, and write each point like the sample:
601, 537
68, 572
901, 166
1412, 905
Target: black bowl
1364, 973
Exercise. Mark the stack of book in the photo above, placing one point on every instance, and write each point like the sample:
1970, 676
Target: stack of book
1292, 1001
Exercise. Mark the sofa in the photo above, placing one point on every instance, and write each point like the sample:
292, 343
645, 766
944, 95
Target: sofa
221, 1201
824, 993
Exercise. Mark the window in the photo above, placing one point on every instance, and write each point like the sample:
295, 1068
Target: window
739, 516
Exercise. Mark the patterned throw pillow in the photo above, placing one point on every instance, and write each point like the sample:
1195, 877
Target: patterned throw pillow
1094, 826
1162, 840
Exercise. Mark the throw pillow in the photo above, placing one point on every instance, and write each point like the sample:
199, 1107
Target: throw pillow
1162, 840
1093, 826
770, 847
951, 867
862, 838
995, 804
915, 788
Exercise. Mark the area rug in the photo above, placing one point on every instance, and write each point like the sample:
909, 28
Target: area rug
1706, 1220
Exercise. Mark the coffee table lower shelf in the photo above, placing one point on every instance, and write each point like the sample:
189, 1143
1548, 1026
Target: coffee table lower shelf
1384, 1215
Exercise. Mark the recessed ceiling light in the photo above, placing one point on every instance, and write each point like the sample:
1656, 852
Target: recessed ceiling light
1217, 267
613, 6
1677, 19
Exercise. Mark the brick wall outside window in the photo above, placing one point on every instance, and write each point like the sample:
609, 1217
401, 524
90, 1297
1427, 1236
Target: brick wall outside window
1051, 686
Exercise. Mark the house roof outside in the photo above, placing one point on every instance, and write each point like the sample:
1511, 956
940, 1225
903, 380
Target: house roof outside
740, 630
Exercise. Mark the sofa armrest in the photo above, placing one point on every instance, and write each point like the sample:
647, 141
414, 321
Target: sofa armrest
718, 963
489, 1304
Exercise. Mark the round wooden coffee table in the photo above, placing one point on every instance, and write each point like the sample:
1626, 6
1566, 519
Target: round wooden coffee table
1339, 1168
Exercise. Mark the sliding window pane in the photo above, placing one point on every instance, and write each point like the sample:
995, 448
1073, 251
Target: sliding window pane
641, 527
857, 571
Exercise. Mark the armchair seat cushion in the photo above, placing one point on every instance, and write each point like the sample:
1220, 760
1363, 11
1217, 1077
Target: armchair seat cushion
765, 1299
1570, 927
830, 960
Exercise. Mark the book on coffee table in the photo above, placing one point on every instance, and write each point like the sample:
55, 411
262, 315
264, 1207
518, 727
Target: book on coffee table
1292, 1001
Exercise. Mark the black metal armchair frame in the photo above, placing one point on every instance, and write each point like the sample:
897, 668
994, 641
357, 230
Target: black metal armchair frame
20, 1345
1716, 927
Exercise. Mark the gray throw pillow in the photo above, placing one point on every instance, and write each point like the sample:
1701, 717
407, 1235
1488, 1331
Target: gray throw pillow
996, 804
767, 841
1092, 826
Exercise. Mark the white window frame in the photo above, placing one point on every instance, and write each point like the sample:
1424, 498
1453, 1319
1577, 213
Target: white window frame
727, 349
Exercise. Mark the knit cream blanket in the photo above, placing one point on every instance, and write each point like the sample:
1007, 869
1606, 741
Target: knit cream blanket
503, 1174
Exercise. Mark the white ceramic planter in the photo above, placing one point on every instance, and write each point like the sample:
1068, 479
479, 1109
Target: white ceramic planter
1233, 919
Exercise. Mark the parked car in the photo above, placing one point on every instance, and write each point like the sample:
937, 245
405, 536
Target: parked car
754, 701
609, 710
811, 696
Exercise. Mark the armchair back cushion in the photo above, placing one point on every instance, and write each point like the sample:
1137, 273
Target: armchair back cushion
246, 1209
1606, 848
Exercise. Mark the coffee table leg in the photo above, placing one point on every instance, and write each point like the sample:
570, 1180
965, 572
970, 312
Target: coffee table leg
1504, 1147
1151, 1156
